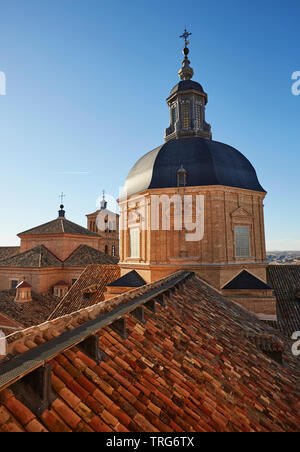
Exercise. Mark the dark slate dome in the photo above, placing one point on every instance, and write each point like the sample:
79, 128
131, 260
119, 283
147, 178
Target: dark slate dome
186, 85
206, 162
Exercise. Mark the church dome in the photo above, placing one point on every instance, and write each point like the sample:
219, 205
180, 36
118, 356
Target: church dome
189, 145
206, 162
186, 85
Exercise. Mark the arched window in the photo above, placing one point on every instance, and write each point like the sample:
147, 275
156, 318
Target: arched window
113, 250
106, 249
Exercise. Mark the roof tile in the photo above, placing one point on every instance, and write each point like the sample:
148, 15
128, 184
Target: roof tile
54, 423
212, 377
98, 275
23, 414
66, 413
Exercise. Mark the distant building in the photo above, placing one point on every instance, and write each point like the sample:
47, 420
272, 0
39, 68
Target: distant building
109, 232
51, 256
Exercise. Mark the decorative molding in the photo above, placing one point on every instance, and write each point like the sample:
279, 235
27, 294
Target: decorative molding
240, 212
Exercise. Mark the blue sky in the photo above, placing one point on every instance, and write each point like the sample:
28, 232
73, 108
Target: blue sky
86, 87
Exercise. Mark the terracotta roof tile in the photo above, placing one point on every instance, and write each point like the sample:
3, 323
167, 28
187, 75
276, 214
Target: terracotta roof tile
35, 426
94, 274
66, 413
23, 414
54, 423
99, 426
285, 280
196, 371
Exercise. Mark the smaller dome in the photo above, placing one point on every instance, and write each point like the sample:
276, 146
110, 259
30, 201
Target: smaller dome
186, 85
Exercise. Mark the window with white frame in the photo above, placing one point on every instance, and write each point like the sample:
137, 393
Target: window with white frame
242, 241
134, 242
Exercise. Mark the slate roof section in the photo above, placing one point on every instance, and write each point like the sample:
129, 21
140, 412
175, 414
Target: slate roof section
94, 276
85, 255
37, 257
59, 226
207, 162
186, 85
41, 257
131, 279
8, 251
26, 314
285, 280
189, 368
246, 280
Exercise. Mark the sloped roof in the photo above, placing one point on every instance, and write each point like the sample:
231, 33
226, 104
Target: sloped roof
8, 325
131, 279
37, 257
85, 255
8, 251
40, 256
26, 314
94, 275
23, 285
285, 279
246, 280
59, 226
191, 367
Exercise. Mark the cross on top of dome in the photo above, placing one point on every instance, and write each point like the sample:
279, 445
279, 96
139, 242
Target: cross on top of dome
185, 36
186, 72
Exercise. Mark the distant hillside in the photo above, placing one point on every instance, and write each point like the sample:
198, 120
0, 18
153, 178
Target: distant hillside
283, 257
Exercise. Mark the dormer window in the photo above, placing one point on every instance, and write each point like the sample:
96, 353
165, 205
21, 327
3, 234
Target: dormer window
181, 177
186, 115
60, 289
23, 293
